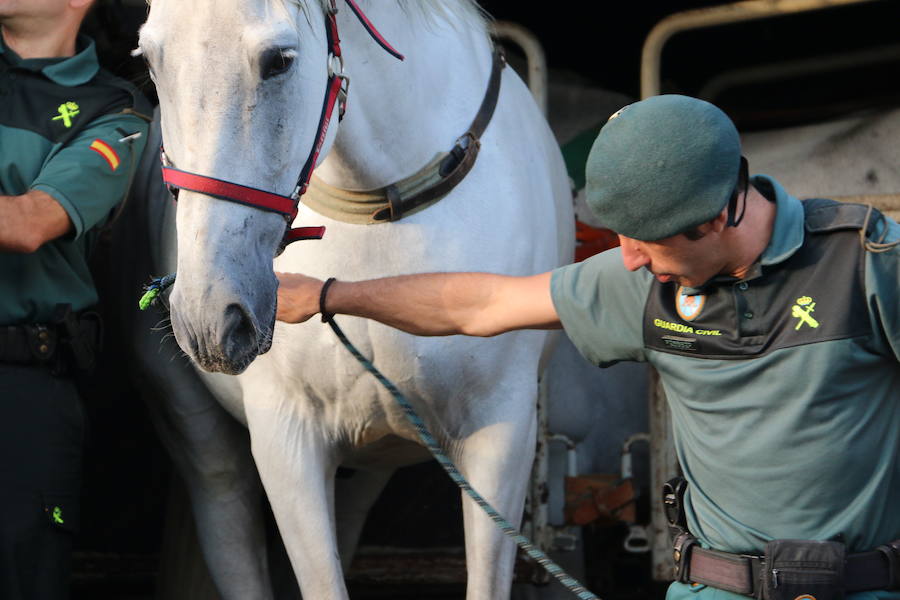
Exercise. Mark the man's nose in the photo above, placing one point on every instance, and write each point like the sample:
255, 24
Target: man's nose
632, 256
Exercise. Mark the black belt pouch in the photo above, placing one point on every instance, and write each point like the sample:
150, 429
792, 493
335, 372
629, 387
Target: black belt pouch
804, 569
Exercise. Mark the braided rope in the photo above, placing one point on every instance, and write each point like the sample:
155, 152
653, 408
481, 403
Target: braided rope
524, 543
154, 289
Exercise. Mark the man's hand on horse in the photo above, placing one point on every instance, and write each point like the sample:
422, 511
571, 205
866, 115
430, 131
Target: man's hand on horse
298, 297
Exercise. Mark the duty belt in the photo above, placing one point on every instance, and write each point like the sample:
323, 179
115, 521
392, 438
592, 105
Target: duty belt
43, 343
27, 343
752, 576
877, 569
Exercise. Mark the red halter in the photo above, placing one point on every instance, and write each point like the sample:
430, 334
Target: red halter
335, 94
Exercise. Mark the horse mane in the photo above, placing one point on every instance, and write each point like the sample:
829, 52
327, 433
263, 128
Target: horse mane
466, 12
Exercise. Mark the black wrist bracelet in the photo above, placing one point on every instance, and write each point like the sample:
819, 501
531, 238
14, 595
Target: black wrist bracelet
326, 316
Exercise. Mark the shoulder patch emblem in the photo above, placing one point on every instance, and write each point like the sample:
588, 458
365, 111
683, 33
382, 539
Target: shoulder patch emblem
106, 151
802, 310
67, 111
688, 307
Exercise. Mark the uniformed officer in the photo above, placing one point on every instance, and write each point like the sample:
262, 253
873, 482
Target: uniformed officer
774, 326
70, 135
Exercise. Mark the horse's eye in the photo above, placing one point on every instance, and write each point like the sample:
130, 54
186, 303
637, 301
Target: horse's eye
276, 61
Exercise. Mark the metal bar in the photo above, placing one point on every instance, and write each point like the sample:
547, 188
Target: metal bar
541, 532
663, 466
736, 12
794, 68
534, 54
571, 453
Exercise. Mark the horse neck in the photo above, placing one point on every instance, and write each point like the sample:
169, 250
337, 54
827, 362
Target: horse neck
400, 114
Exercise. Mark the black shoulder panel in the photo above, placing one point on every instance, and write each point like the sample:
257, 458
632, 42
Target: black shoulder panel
31, 101
816, 295
829, 215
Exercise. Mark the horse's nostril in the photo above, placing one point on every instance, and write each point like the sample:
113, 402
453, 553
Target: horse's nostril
239, 335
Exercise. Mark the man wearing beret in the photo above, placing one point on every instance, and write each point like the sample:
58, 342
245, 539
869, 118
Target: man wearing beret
774, 324
70, 136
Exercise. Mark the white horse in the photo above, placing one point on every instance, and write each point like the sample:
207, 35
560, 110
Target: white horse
241, 84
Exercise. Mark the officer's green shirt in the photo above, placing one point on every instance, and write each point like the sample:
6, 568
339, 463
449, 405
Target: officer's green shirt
62, 124
784, 387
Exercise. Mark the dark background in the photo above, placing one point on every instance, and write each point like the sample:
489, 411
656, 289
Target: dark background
597, 44
600, 44
602, 41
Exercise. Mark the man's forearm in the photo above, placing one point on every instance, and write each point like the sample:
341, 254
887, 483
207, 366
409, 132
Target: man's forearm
30, 220
479, 304
426, 304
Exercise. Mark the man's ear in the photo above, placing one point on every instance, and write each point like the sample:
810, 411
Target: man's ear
715, 225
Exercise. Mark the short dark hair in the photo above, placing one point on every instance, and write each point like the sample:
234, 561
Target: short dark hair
694, 233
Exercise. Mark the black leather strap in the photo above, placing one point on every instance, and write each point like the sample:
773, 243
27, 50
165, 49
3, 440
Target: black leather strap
890, 552
27, 344
461, 158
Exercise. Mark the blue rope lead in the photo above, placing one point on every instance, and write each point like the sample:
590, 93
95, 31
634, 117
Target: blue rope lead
524, 543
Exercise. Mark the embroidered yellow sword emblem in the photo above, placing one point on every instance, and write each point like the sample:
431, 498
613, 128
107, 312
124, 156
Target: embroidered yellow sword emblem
802, 310
67, 112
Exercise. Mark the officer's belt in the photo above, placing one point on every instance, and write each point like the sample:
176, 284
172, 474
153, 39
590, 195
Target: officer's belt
878, 569
27, 343
38, 343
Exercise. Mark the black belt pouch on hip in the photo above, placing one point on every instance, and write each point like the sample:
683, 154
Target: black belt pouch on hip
804, 569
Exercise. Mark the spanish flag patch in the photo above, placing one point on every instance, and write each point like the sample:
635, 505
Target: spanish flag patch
104, 150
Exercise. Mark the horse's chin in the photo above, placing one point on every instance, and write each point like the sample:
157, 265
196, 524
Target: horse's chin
221, 364
235, 359
233, 351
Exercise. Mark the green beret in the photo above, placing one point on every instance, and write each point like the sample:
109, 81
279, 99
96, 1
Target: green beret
662, 166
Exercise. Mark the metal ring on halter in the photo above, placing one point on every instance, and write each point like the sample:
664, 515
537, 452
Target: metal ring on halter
345, 84
331, 70
343, 94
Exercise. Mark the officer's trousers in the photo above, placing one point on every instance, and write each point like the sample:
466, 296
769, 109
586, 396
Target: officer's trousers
42, 434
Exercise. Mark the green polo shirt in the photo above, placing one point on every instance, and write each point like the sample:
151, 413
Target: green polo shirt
62, 124
783, 387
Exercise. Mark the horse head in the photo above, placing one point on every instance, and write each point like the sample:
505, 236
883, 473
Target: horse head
240, 85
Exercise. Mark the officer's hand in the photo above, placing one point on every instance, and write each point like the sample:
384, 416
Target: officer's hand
298, 297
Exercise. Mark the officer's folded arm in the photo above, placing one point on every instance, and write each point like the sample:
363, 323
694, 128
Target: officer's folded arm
30, 220
478, 304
